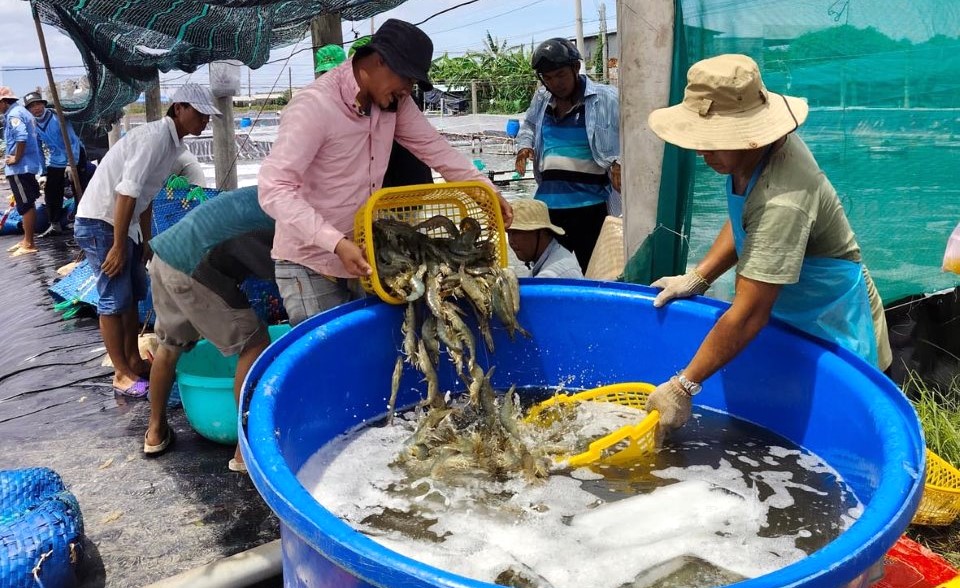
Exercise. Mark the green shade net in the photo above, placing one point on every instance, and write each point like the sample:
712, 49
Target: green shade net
883, 81
124, 43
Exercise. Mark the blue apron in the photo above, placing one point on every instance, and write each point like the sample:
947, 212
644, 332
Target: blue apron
829, 300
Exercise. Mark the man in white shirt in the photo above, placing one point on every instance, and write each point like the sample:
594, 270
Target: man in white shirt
114, 218
531, 237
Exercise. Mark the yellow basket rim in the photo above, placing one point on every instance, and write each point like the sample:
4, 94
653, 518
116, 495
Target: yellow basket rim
364, 218
595, 449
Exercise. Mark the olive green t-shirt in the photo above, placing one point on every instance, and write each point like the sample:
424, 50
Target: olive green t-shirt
793, 212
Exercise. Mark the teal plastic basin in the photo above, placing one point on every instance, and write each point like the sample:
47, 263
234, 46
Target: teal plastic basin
205, 379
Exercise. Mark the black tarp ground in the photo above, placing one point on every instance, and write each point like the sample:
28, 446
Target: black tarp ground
145, 519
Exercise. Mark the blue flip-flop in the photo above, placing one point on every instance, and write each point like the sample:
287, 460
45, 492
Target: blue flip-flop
138, 389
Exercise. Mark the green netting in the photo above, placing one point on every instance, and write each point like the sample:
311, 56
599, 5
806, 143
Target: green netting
883, 81
124, 43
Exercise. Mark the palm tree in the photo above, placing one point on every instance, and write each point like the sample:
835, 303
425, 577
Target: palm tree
505, 79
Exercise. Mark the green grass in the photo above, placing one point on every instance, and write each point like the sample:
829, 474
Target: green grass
939, 413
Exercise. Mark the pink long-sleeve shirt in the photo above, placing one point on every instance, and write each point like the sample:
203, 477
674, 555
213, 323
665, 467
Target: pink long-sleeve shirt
328, 159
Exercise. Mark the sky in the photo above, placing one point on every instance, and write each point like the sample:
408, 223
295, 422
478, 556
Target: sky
516, 21
454, 32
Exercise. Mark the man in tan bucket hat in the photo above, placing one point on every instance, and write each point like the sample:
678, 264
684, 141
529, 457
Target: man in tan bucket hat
795, 254
531, 237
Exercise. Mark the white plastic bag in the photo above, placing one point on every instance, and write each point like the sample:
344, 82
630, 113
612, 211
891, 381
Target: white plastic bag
225, 78
951, 256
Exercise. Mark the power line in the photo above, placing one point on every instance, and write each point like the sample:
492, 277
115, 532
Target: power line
443, 11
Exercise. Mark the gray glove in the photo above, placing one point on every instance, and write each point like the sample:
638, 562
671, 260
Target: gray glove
673, 404
683, 286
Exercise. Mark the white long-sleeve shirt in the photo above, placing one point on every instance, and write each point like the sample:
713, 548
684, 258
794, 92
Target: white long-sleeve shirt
136, 166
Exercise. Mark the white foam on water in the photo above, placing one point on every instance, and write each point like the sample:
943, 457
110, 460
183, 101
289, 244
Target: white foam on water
556, 529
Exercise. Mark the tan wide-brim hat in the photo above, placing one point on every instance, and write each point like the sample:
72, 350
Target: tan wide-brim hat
7, 94
726, 107
531, 215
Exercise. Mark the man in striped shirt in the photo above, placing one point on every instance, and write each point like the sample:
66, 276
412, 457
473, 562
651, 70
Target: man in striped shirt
572, 132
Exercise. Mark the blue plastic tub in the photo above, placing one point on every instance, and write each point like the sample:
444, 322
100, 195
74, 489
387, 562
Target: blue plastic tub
332, 373
205, 380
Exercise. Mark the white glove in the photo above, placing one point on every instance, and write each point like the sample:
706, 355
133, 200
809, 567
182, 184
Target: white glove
683, 286
674, 405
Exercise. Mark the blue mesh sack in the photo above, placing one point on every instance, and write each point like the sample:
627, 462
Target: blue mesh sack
41, 530
172, 204
76, 288
264, 297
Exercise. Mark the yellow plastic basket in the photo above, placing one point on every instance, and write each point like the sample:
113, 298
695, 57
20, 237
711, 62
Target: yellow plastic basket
940, 503
624, 444
413, 204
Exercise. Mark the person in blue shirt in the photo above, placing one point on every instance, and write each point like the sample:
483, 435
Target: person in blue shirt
22, 162
572, 132
197, 267
48, 130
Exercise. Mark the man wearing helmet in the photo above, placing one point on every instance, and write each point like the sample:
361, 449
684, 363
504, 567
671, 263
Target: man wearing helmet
572, 133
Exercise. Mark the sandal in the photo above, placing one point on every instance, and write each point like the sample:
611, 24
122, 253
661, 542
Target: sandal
138, 389
162, 447
236, 466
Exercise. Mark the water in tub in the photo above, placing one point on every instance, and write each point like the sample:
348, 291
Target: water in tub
722, 501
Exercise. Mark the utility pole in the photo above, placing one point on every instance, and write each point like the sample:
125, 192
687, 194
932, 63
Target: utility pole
580, 47
605, 71
325, 30
249, 90
473, 96
290, 81
372, 25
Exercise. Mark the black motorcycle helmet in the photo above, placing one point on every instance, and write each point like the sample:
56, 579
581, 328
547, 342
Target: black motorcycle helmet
553, 54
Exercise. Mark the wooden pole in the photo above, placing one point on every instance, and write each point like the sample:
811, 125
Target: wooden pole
645, 31
151, 100
56, 104
325, 30
224, 135
224, 145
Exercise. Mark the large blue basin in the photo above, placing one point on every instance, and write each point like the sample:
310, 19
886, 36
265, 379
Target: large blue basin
332, 373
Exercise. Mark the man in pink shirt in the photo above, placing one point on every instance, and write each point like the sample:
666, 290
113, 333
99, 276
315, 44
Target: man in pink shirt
331, 154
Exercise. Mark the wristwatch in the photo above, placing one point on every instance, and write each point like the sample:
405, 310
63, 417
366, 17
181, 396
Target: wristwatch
691, 388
